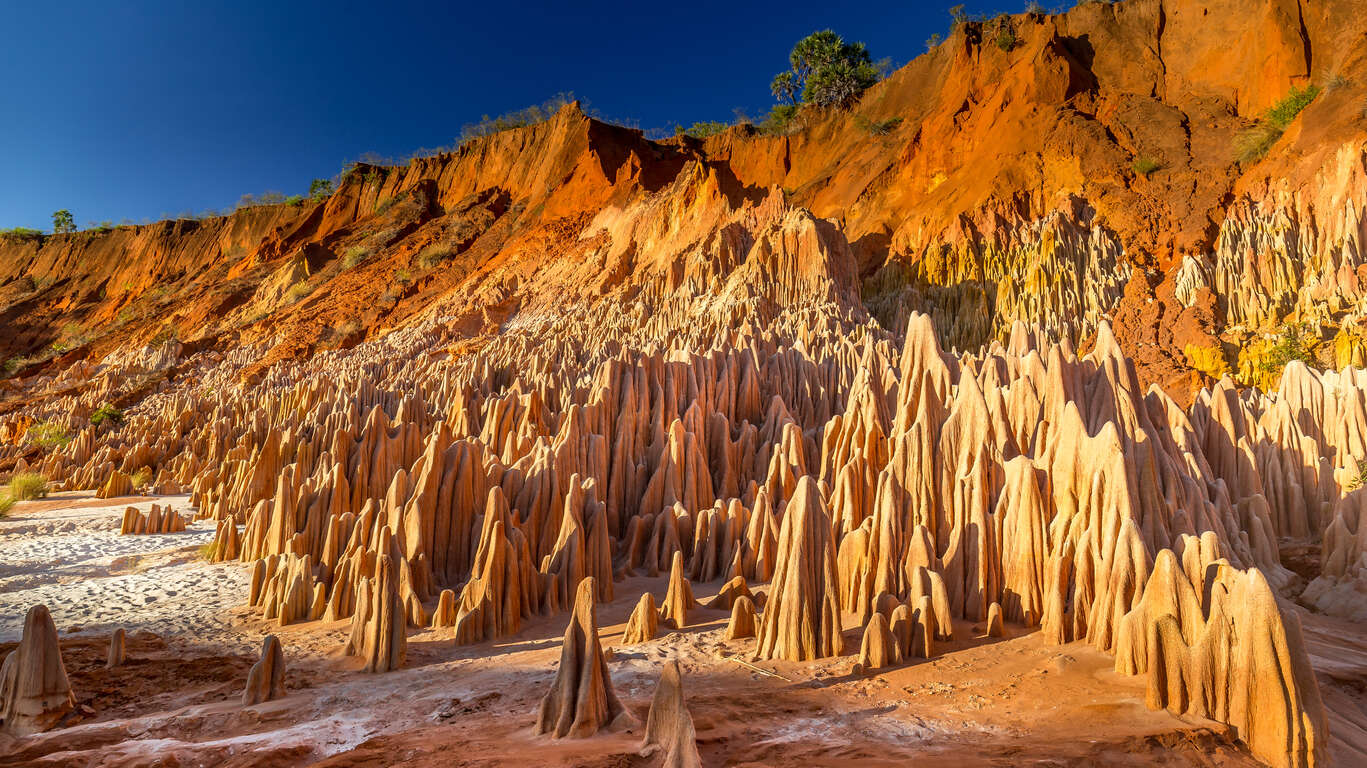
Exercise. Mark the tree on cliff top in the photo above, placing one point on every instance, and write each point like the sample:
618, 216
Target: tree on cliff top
62, 221
826, 72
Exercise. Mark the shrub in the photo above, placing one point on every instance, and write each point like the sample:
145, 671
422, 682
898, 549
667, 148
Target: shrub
1003, 33
320, 188
383, 205
1253, 144
1143, 166
48, 435
21, 233
106, 415
299, 290
877, 127
403, 277
6, 504
1290, 345
294, 200
933, 42
826, 71
536, 113
781, 121
208, 549
26, 486
142, 477
433, 255
703, 129
1354, 483
354, 255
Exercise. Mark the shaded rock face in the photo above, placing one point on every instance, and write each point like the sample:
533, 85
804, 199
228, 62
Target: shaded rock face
34, 691
266, 679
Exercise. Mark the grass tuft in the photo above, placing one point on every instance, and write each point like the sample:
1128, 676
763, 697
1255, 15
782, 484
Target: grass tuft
1253, 144
26, 486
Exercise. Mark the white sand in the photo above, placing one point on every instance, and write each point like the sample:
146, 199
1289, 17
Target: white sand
92, 579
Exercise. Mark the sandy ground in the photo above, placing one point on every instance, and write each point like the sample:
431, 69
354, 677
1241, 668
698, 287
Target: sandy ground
66, 552
1012, 701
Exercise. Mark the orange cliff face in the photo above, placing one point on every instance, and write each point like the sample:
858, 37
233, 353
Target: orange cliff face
995, 185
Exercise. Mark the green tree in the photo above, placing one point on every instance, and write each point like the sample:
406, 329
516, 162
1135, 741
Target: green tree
320, 188
63, 221
826, 71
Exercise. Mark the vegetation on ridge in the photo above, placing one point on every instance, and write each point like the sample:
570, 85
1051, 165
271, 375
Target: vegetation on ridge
1253, 144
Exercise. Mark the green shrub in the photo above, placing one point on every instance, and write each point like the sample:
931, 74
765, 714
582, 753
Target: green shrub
48, 435
320, 188
403, 277
208, 549
782, 120
1003, 33
1253, 144
142, 477
1290, 345
106, 415
877, 127
21, 233
383, 205
1353, 484
1144, 166
6, 504
294, 200
299, 290
934, 41
26, 486
703, 129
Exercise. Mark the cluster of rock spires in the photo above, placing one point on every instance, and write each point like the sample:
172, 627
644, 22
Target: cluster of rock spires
397, 487
154, 520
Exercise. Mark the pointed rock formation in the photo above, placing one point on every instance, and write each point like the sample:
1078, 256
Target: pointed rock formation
378, 627
266, 679
644, 622
669, 727
581, 701
678, 597
879, 649
34, 691
118, 653
802, 619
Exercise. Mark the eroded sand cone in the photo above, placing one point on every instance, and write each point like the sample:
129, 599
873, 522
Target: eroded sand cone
742, 623
802, 619
117, 649
669, 727
445, 614
678, 597
34, 691
581, 701
378, 625
879, 648
266, 680
644, 622
994, 621
733, 590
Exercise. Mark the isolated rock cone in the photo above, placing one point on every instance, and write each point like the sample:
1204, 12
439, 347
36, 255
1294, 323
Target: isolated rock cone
266, 680
643, 625
669, 727
678, 597
117, 649
742, 622
994, 621
34, 691
581, 701
802, 619
378, 627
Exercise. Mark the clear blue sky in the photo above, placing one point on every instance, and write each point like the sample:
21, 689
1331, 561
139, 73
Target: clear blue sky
137, 110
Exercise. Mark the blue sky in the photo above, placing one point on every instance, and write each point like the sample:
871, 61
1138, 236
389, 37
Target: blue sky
138, 110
